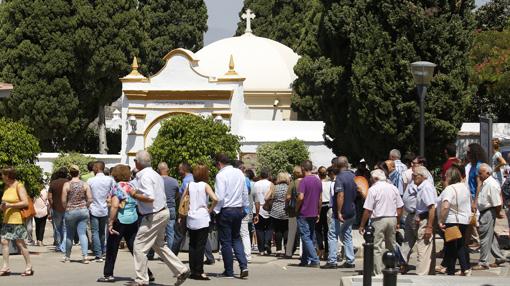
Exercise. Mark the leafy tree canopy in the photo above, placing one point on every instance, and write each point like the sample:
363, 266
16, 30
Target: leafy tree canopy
494, 15
361, 85
281, 156
490, 58
192, 139
19, 148
170, 25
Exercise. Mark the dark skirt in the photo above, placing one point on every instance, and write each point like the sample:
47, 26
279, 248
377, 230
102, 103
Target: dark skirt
14, 231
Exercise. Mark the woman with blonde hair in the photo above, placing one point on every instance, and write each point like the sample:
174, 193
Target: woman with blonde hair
279, 218
498, 162
14, 199
290, 202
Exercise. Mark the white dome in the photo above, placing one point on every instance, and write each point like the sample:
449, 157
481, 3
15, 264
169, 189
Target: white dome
266, 64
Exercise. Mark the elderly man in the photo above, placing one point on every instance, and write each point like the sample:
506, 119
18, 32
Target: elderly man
489, 204
395, 176
343, 215
384, 206
151, 198
426, 197
395, 157
232, 192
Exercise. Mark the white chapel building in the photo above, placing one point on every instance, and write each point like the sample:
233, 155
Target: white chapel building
244, 81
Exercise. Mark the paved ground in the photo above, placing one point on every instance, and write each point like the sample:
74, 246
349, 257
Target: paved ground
263, 270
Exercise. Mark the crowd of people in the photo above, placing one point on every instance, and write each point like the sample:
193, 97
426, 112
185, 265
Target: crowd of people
313, 209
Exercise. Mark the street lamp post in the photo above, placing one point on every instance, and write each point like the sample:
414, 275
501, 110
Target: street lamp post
422, 74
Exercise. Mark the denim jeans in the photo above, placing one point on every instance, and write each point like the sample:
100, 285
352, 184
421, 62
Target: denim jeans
306, 227
229, 227
98, 229
170, 228
76, 220
342, 230
59, 230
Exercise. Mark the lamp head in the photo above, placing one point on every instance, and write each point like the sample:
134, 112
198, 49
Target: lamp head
132, 122
422, 72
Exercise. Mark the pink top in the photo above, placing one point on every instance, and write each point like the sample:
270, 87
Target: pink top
383, 200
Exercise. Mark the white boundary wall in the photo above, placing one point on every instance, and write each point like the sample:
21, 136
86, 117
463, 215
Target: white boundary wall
45, 160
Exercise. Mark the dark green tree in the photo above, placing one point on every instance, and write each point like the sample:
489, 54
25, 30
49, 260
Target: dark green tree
193, 139
37, 56
285, 21
494, 15
361, 85
109, 34
281, 156
171, 24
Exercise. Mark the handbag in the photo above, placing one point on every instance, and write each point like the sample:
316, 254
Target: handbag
184, 205
29, 210
268, 203
453, 232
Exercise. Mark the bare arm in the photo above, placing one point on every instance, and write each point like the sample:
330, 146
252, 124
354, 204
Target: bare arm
212, 196
445, 206
340, 205
65, 189
364, 219
299, 201
88, 193
114, 209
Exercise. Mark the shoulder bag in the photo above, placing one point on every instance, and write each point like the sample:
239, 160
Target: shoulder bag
184, 204
453, 232
28, 211
269, 199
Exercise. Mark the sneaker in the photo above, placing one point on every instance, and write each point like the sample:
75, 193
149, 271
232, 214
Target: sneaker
329, 266
182, 277
65, 259
466, 273
106, 279
99, 260
480, 267
209, 262
244, 273
347, 265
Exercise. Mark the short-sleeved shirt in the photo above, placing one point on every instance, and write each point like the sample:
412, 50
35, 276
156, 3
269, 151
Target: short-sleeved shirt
447, 165
150, 184
396, 179
383, 200
490, 194
185, 181
425, 197
12, 215
100, 187
127, 211
311, 188
409, 198
344, 183
279, 196
171, 188
56, 187
459, 198
261, 188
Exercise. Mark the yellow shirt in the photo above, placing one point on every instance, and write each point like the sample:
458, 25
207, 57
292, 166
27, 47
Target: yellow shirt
12, 215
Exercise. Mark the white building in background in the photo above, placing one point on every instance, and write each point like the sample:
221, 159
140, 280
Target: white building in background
245, 81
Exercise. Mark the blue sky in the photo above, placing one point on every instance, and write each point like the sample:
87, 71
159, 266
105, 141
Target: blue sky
223, 18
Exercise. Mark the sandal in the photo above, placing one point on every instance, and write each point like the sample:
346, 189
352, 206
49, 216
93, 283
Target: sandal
28, 272
5, 272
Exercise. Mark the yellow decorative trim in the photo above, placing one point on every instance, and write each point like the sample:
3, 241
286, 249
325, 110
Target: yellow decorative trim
131, 153
134, 75
189, 55
178, 108
179, 94
231, 67
137, 115
229, 79
224, 114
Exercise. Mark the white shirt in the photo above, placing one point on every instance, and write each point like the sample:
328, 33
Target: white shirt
100, 187
326, 191
425, 197
231, 189
383, 200
490, 194
261, 188
151, 185
198, 214
459, 197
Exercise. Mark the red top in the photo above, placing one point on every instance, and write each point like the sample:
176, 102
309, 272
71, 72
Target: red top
447, 165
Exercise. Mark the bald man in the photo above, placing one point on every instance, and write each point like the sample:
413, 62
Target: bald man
489, 203
395, 176
172, 195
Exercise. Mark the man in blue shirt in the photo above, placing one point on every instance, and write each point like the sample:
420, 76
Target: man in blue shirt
343, 215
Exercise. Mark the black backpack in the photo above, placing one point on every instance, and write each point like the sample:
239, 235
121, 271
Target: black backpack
505, 189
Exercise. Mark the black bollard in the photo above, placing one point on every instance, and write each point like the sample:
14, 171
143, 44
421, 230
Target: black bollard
368, 255
391, 271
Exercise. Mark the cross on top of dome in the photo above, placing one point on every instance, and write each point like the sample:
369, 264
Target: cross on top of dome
248, 16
